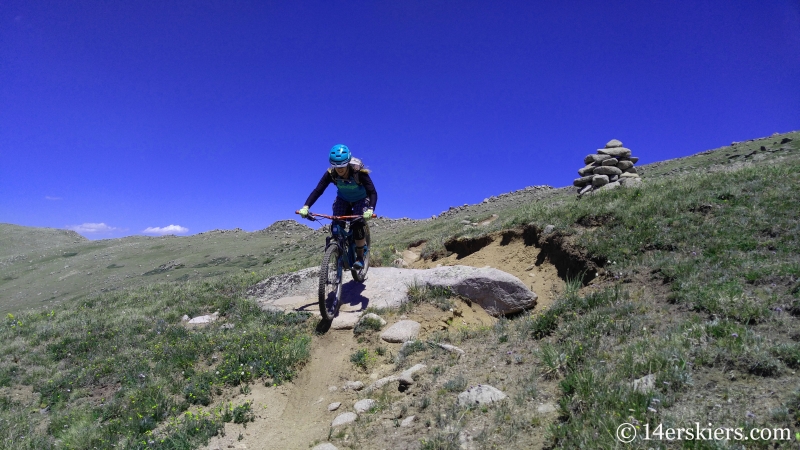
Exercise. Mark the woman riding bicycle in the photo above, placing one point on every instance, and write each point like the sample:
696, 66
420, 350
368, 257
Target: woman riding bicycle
355, 194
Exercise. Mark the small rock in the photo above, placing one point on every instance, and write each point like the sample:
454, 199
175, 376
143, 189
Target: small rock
549, 229
607, 170
623, 165
402, 331
408, 421
482, 394
354, 385
600, 180
365, 405
583, 181
546, 408
612, 185
325, 446
610, 162
645, 384
374, 316
615, 152
334, 406
344, 419
381, 383
586, 170
204, 320
595, 158
614, 143
451, 348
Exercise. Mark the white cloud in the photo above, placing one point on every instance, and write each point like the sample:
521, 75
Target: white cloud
91, 228
171, 229
47, 197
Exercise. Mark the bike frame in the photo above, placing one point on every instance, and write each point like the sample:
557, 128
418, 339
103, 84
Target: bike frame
343, 236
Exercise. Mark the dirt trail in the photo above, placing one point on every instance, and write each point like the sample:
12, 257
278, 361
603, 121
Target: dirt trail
295, 415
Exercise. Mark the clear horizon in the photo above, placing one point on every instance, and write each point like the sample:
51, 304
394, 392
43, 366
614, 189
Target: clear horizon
179, 118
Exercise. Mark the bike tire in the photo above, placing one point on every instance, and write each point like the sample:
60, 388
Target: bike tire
330, 283
361, 274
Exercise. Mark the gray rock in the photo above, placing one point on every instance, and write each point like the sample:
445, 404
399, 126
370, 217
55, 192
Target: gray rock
610, 186
346, 320
334, 406
325, 446
372, 316
622, 165
497, 292
582, 181
402, 331
381, 383
408, 421
452, 348
595, 158
344, 419
600, 180
585, 190
387, 287
631, 170
645, 384
354, 385
629, 175
365, 405
616, 152
407, 376
630, 181
546, 408
614, 143
204, 320
586, 171
634, 159
613, 178
549, 229
609, 162
482, 394
607, 170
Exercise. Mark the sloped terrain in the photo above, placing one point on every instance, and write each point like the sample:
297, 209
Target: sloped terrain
690, 281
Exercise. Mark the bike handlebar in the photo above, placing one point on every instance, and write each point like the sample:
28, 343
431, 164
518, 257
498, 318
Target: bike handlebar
325, 216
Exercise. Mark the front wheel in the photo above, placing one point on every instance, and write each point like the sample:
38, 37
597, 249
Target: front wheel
330, 283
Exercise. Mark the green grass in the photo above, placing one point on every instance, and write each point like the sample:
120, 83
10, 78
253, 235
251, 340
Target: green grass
716, 244
122, 369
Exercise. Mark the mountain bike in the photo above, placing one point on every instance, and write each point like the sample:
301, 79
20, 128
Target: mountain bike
340, 255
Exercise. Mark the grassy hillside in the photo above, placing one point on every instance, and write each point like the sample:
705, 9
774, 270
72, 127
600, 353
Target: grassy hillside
698, 285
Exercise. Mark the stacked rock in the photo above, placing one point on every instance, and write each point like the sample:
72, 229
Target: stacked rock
609, 168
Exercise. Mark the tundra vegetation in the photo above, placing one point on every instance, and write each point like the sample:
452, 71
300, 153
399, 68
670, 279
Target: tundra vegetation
697, 290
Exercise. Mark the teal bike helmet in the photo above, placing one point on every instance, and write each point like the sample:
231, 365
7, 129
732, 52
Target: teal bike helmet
339, 156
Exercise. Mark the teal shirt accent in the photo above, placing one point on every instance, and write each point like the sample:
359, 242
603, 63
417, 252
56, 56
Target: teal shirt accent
349, 190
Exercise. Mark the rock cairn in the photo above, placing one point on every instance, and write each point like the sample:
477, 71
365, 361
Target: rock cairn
609, 168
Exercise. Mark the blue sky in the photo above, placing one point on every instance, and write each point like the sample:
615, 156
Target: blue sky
206, 115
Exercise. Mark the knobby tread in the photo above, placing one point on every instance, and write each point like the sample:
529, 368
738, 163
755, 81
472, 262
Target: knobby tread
331, 257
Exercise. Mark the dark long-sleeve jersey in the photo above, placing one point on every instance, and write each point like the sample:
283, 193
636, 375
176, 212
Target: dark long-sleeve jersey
331, 178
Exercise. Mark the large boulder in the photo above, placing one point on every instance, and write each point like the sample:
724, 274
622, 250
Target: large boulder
496, 291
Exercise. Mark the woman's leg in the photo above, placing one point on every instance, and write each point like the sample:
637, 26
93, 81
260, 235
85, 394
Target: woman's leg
359, 232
